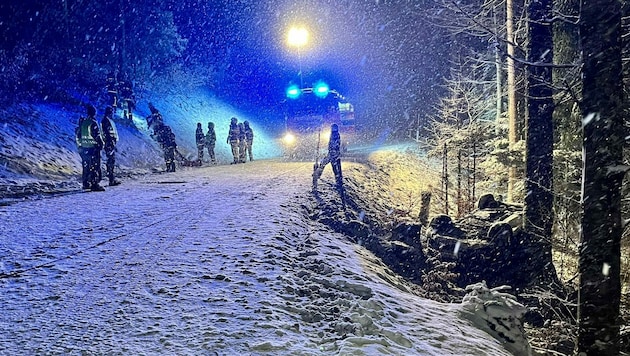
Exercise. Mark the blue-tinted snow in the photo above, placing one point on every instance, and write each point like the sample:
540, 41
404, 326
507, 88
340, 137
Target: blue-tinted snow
212, 260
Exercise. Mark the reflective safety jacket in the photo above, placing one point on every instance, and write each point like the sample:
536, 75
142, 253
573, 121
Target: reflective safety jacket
234, 133
110, 133
90, 135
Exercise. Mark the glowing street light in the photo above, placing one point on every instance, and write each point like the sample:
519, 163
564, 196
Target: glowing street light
298, 37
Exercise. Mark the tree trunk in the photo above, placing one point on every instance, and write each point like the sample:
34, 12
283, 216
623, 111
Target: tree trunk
511, 90
539, 143
499, 87
566, 51
445, 178
460, 202
602, 107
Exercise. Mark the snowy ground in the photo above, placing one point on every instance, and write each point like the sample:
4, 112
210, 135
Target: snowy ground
216, 260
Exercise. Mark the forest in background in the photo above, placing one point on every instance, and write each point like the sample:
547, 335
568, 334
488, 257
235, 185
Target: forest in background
519, 120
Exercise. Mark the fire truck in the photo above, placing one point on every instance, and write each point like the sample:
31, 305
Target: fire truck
309, 114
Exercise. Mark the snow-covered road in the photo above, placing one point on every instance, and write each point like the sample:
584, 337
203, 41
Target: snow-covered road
208, 261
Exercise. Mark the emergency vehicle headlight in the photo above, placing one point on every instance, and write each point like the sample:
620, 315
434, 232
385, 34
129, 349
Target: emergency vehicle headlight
288, 139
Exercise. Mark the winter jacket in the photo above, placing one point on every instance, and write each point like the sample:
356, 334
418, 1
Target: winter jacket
211, 137
110, 133
334, 145
90, 134
155, 120
167, 137
200, 138
249, 134
233, 133
241, 133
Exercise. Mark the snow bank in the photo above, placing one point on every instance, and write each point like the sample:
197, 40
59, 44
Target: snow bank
499, 314
183, 111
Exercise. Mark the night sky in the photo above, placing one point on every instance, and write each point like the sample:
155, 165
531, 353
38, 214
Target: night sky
384, 56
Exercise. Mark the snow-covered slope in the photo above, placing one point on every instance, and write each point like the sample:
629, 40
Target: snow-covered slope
37, 146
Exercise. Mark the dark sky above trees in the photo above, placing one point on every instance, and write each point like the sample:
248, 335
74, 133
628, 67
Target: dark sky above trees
383, 55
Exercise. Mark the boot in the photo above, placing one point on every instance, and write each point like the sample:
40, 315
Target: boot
97, 188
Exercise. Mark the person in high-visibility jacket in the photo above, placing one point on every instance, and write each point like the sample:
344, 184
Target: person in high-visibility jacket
110, 138
90, 144
232, 139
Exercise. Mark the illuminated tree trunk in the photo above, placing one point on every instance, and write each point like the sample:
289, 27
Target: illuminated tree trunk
511, 90
602, 107
499, 88
445, 178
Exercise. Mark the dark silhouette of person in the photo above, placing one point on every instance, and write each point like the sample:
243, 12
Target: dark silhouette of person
112, 88
128, 97
200, 139
154, 120
333, 157
90, 144
110, 138
232, 139
242, 143
249, 140
166, 138
211, 140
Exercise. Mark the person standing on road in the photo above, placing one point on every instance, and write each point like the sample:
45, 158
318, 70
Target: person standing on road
333, 157
110, 138
242, 143
169, 145
211, 139
200, 139
90, 145
232, 139
249, 139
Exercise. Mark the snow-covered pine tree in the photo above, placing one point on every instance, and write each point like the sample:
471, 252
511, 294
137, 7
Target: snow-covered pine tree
461, 129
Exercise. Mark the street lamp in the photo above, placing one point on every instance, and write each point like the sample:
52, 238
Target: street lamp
298, 37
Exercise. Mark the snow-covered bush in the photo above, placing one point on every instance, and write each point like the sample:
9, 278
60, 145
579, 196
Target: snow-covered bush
499, 314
